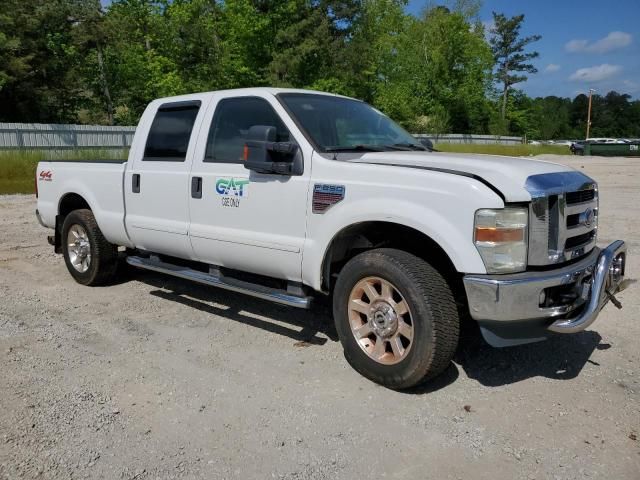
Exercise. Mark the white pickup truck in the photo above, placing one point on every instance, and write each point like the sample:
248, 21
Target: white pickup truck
287, 194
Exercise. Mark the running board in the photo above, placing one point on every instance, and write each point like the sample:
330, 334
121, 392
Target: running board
218, 280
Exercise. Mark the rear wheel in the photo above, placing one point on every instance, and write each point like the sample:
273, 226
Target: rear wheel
396, 318
90, 258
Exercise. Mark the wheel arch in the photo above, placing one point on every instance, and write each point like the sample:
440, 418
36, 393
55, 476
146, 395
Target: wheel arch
366, 235
68, 202
71, 201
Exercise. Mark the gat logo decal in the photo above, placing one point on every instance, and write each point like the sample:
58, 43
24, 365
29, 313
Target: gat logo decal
236, 187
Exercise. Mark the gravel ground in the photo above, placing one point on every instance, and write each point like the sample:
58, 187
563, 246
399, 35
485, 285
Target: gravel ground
155, 378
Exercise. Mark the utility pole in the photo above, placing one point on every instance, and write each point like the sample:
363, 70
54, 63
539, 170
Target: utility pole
591, 90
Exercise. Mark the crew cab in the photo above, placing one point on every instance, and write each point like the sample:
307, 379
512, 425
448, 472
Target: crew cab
287, 195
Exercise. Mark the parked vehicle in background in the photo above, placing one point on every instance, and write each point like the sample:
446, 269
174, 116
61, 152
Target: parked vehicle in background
565, 143
534, 142
577, 147
290, 194
605, 140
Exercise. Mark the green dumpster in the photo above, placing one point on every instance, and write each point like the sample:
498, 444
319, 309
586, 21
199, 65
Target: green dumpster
612, 149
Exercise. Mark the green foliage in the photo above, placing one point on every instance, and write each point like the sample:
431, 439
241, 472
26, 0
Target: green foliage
434, 68
17, 171
438, 122
77, 61
508, 49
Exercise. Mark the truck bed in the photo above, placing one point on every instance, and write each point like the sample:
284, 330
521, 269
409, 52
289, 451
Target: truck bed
99, 182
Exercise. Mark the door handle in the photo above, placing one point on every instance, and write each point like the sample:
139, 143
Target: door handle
135, 183
196, 187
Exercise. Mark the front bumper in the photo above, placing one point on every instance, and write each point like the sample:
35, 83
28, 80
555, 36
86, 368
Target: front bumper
566, 300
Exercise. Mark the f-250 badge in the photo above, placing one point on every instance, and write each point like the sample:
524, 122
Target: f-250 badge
232, 189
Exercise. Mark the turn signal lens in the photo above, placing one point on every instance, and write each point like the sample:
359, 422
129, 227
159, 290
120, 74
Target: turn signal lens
500, 235
488, 234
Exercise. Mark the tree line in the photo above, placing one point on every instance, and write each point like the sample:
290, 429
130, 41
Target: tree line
76, 61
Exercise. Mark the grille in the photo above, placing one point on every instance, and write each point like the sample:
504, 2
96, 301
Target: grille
579, 240
563, 224
580, 196
573, 220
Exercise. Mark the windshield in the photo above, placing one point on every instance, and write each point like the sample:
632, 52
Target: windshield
342, 124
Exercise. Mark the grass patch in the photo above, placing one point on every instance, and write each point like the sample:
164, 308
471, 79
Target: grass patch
522, 150
18, 167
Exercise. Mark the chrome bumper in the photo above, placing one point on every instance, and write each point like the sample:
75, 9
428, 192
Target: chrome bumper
524, 296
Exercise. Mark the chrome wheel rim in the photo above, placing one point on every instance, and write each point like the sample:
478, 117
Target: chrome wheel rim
380, 320
79, 248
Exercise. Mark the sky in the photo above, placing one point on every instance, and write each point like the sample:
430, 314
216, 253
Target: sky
585, 43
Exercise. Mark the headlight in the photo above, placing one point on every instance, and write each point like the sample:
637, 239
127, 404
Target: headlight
501, 238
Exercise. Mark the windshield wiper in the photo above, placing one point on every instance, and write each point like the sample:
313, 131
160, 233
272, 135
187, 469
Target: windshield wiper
357, 148
410, 146
377, 148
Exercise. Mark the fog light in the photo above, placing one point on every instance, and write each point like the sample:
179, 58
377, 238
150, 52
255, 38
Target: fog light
542, 298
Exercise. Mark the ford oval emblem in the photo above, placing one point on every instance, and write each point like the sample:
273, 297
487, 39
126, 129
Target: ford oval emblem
587, 217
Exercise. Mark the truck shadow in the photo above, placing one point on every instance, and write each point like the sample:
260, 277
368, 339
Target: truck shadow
561, 357
306, 325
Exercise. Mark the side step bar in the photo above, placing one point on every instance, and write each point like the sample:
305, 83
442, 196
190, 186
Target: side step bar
218, 280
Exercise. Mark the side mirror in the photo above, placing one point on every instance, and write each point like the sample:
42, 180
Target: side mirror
263, 154
427, 143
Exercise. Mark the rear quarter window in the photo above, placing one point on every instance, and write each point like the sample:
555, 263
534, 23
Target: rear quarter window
170, 132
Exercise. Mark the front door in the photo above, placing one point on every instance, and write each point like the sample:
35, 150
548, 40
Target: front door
241, 219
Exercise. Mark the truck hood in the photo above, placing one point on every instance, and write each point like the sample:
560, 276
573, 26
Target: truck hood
507, 175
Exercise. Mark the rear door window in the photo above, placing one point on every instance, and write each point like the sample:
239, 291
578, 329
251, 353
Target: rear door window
170, 132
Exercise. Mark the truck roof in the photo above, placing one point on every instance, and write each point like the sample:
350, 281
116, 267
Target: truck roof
244, 91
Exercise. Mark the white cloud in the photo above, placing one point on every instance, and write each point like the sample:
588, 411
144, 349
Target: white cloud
576, 46
613, 41
552, 67
596, 73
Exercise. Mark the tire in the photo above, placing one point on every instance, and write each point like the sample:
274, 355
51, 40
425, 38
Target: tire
90, 258
419, 299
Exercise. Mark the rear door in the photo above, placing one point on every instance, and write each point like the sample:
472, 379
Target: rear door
239, 218
157, 183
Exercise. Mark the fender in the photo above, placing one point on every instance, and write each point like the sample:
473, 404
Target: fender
453, 235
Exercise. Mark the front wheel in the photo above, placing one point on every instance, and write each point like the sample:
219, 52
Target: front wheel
90, 258
396, 318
